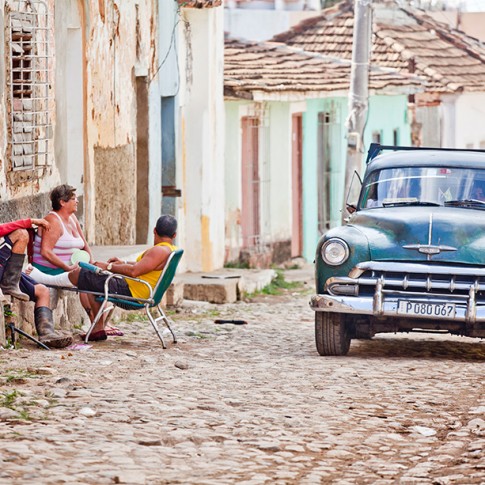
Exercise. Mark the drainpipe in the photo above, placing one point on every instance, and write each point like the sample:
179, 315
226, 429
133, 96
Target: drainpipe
358, 94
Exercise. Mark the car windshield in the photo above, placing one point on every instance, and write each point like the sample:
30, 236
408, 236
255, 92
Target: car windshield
414, 186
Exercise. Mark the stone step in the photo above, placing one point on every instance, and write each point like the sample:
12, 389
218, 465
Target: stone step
225, 285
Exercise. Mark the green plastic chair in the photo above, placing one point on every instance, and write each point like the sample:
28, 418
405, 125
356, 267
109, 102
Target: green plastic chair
130, 303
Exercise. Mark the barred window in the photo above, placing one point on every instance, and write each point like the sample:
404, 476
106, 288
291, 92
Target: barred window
28, 78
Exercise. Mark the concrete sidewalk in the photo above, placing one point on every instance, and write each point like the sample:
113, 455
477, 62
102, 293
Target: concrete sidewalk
225, 285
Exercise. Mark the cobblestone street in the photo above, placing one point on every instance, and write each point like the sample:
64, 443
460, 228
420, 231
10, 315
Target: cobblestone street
250, 404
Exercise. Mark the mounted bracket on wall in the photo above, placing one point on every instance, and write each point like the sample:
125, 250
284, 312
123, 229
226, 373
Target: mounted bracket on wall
171, 191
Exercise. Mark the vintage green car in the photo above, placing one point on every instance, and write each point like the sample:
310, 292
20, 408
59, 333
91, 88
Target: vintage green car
411, 256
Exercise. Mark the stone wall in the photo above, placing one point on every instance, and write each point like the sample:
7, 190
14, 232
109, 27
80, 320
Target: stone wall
115, 187
35, 206
24, 207
263, 257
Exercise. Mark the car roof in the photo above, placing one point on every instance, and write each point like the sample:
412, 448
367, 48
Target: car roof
428, 158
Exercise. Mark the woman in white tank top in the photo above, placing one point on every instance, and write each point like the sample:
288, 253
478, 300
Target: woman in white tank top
53, 249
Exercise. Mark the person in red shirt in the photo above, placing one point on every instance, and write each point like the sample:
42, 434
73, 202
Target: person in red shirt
13, 243
14, 239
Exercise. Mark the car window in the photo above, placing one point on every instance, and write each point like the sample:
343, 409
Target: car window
422, 186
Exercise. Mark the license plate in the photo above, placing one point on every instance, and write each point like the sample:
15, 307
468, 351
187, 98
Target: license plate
421, 309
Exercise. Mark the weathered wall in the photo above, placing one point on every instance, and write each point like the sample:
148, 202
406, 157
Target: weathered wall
275, 180
98, 48
202, 140
17, 187
470, 129
120, 44
69, 130
115, 185
23, 207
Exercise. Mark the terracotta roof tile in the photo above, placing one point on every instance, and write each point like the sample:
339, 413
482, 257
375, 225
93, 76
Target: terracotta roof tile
251, 67
199, 3
450, 60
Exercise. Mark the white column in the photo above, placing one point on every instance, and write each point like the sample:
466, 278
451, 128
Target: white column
202, 143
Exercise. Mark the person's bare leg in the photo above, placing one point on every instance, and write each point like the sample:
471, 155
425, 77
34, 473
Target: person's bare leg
94, 307
74, 276
89, 303
20, 239
42, 296
86, 304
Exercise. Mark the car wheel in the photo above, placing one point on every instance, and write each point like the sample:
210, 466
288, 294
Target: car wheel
331, 334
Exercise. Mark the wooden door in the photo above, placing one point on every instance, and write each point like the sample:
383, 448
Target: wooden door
250, 210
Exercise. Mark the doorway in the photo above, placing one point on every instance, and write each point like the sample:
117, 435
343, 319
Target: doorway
250, 217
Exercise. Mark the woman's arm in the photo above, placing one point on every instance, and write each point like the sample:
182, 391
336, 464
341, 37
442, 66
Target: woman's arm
49, 240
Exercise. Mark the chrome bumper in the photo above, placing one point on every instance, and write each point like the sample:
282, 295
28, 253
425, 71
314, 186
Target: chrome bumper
383, 305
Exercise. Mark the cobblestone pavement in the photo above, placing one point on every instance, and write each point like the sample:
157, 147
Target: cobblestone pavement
250, 404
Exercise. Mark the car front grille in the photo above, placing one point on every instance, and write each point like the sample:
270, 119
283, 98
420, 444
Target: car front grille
410, 278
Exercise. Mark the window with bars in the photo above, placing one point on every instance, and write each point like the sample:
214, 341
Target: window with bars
27, 32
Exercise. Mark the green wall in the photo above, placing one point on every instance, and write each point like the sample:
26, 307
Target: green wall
386, 114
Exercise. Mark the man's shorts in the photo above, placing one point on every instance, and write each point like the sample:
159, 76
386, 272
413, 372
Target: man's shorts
5, 253
27, 285
90, 281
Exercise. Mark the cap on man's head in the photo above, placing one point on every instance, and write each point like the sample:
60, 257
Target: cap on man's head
166, 226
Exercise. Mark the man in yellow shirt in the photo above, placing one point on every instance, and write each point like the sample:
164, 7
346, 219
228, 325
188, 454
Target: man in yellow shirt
147, 267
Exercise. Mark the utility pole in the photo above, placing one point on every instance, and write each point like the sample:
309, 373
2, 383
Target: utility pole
359, 92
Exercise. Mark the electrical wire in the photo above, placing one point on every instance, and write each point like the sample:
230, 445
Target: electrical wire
173, 43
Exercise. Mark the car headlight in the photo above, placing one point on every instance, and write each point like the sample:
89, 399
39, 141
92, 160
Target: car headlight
335, 251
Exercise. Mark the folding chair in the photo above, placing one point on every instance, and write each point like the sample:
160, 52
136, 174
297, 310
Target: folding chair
130, 303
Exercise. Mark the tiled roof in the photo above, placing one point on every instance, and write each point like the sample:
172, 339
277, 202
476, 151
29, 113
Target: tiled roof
450, 60
199, 3
264, 68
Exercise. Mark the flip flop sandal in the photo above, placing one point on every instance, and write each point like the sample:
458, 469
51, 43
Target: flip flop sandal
113, 332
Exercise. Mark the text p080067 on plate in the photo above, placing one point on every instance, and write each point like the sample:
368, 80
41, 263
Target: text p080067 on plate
425, 309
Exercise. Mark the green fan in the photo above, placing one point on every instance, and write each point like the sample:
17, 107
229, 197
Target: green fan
80, 256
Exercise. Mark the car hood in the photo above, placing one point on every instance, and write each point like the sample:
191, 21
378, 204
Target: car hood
457, 235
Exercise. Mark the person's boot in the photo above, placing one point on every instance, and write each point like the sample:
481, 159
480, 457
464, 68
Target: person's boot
45, 329
11, 277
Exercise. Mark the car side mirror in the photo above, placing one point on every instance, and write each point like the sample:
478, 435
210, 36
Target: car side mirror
351, 208
353, 193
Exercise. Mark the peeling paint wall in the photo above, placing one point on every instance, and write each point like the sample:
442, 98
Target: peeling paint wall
98, 48
201, 151
121, 44
17, 187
